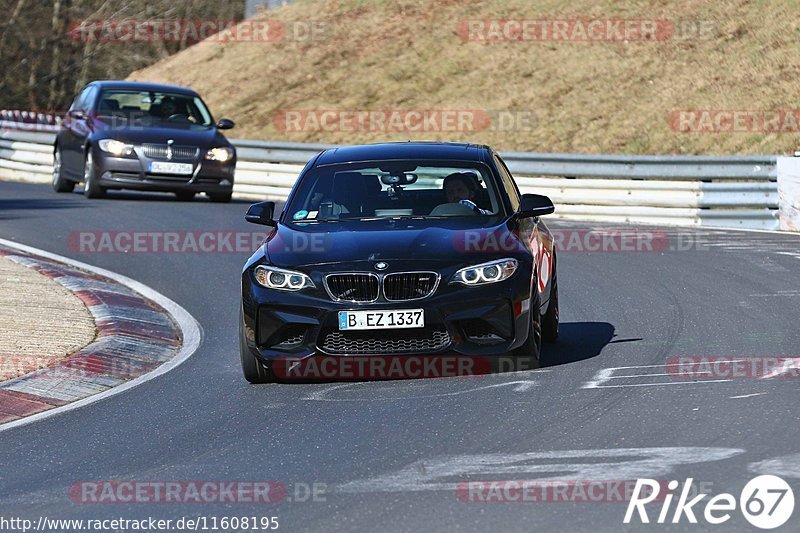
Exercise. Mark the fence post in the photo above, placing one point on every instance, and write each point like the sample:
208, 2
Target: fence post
789, 193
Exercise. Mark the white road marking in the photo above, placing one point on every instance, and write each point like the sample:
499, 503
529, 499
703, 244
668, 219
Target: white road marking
663, 365
522, 386
319, 395
601, 376
532, 371
605, 375
788, 364
190, 330
651, 375
660, 384
445, 473
323, 395
786, 466
747, 395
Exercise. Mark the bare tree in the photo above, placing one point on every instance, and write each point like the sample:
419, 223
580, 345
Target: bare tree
45, 61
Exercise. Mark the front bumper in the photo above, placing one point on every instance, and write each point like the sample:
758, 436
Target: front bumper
475, 321
131, 173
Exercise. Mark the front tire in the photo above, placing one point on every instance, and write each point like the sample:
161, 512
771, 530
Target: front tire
60, 183
253, 369
220, 198
91, 189
527, 356
184, 196
550, 318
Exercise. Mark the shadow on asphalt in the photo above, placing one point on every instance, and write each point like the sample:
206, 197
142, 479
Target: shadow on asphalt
17, 207
577, 341
138, 196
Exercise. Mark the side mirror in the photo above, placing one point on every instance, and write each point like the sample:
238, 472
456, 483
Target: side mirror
77, 113
225, 124
535, 205
261, 213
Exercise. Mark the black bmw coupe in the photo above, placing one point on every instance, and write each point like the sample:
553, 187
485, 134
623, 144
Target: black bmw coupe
400, 249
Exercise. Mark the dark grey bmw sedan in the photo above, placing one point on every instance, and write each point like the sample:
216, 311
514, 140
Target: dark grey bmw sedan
143, 136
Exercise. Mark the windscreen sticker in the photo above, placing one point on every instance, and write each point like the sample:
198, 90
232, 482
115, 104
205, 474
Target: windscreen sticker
312, 214
300, 215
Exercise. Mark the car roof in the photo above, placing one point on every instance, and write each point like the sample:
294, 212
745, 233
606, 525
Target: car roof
403, 150
142, 86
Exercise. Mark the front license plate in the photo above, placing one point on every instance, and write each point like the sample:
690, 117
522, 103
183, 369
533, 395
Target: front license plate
407, 318
160, 167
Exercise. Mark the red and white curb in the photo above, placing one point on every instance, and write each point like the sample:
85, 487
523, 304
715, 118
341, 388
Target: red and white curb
141, 334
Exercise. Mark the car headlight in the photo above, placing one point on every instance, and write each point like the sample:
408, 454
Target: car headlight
221, 154
485, 273
115, 147
282, 280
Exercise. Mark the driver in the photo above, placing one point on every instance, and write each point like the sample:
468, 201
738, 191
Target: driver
168, 107
462, 188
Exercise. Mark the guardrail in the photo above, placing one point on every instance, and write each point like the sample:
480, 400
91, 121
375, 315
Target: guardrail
723, 191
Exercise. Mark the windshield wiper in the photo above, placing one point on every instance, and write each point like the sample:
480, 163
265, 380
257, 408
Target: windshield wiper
314, 220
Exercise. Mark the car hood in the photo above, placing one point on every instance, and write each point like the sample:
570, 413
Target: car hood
447, 240
195, 136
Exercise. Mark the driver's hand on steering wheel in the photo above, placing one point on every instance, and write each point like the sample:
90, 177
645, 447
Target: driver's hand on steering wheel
472, 205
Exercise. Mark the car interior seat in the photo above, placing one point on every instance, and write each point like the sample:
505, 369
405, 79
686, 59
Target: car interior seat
351, 194
108, 106
155, 111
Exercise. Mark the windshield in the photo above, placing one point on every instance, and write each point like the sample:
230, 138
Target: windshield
398, 188
153, 108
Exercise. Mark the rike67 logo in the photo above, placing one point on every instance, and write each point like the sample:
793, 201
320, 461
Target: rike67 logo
766, 502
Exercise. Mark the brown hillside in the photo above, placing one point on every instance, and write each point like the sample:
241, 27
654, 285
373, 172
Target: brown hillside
592, 97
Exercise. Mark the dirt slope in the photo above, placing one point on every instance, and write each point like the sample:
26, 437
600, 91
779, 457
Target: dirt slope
553, 91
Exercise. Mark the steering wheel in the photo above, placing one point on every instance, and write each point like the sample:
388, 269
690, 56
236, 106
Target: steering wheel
454, 209
178, 117
472, 205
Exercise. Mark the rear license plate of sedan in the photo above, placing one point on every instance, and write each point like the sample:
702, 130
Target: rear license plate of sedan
161, 167
407, 318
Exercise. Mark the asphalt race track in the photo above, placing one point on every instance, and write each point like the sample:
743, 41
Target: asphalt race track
391, 452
